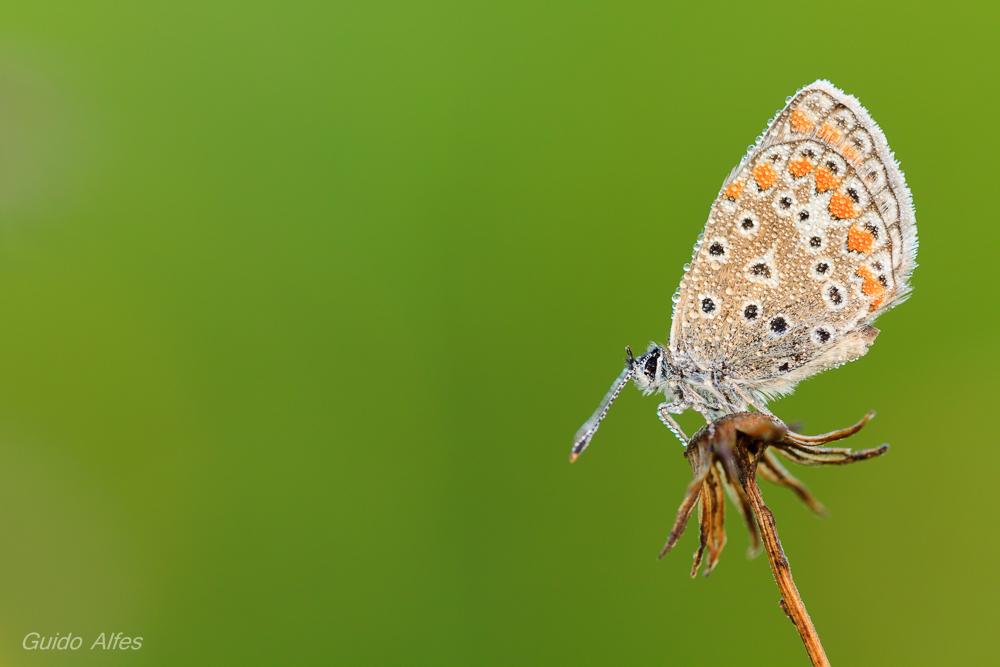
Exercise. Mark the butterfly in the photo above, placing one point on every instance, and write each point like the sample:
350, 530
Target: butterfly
811, 238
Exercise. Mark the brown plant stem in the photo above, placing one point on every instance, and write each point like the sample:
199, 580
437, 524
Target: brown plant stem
790, 602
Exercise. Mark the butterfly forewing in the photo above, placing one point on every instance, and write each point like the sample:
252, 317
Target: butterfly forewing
811, 238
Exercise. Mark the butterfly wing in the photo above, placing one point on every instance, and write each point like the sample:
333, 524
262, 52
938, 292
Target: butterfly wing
811, 238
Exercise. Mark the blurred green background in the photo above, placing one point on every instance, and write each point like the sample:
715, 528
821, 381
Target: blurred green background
301, 306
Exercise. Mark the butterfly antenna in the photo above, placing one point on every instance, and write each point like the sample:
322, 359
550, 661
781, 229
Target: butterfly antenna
588, 430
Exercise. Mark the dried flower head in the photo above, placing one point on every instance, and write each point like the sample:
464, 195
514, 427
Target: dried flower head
717, 453
725, 456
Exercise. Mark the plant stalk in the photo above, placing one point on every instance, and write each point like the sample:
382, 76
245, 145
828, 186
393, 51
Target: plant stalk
791, 601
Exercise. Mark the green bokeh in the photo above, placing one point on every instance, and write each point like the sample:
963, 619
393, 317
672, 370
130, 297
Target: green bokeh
301, 305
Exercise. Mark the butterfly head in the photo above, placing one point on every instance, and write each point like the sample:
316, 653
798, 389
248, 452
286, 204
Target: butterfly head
650, 371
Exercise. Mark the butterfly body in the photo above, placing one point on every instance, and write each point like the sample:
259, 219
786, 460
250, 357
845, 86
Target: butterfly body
811, 238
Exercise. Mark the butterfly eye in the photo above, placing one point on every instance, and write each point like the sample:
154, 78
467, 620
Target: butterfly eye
649, 368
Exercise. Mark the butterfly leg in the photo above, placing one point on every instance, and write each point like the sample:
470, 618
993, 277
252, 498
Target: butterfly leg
664, 410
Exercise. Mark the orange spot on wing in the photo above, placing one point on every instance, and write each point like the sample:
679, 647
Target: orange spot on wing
859, 240
825, 180
870, 286
850, 154
841, 206
828, 134
876, 303
732, 193
764, 175
800, 168
800, 121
